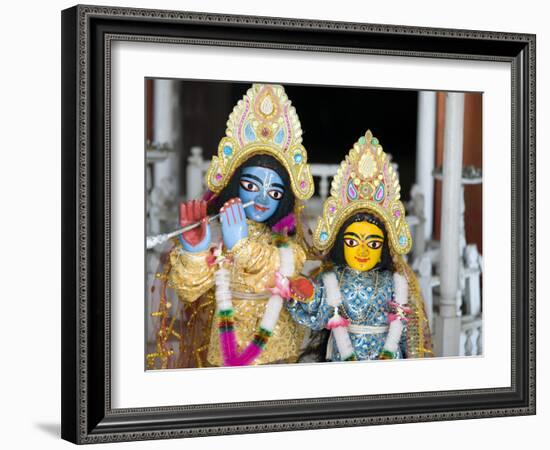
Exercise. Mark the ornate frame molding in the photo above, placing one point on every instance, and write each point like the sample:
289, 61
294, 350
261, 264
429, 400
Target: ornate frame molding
87, 34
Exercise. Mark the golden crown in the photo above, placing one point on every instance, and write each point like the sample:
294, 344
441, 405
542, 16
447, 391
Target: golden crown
263, 122
365, 182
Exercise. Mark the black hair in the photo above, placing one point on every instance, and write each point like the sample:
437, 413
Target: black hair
336, 254
286, 204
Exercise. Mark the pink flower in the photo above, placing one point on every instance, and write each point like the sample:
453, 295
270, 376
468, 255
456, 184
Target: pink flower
215, 256
210, 259
282, 286
337, 321
392, 317
401, 312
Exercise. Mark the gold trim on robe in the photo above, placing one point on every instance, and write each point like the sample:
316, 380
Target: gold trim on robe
255, 261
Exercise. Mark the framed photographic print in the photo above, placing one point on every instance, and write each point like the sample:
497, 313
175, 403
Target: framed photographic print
283, 224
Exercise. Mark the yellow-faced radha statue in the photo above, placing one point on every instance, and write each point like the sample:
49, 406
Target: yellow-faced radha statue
366, 294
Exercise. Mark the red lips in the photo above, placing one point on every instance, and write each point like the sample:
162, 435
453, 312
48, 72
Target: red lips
362, 260
260, 208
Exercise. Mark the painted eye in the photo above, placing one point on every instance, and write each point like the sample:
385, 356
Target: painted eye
375, 245
275, 195
351, 242
249, 186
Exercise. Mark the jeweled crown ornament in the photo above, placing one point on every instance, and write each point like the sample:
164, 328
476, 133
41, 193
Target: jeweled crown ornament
263, 122
364, 182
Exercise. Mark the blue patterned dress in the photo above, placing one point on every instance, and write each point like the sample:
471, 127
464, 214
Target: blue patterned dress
365, 297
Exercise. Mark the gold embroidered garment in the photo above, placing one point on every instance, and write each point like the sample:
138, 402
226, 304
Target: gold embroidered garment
255, 261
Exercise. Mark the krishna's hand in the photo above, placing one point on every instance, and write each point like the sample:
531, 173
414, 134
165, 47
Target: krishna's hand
197, 239
233, 221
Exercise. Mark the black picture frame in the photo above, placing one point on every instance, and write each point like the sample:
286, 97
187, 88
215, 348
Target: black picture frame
87, 33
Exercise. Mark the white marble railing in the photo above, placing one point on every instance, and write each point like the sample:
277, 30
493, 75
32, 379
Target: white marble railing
469, 341
471, 336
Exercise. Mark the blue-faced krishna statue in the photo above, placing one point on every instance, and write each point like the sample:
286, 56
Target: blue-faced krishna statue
256, 183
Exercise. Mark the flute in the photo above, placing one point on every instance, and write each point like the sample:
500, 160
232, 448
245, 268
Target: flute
153, 241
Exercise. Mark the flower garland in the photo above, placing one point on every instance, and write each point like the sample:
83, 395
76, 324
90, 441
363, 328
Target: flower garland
226, 313
339, 325
397, 319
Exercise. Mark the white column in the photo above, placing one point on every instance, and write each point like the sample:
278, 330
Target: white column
425, 154
424, 269
195, 176
447, 324
166, 128
166, 175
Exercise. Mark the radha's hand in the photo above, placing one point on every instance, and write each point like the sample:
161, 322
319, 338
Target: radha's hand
197, 239
233, 221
